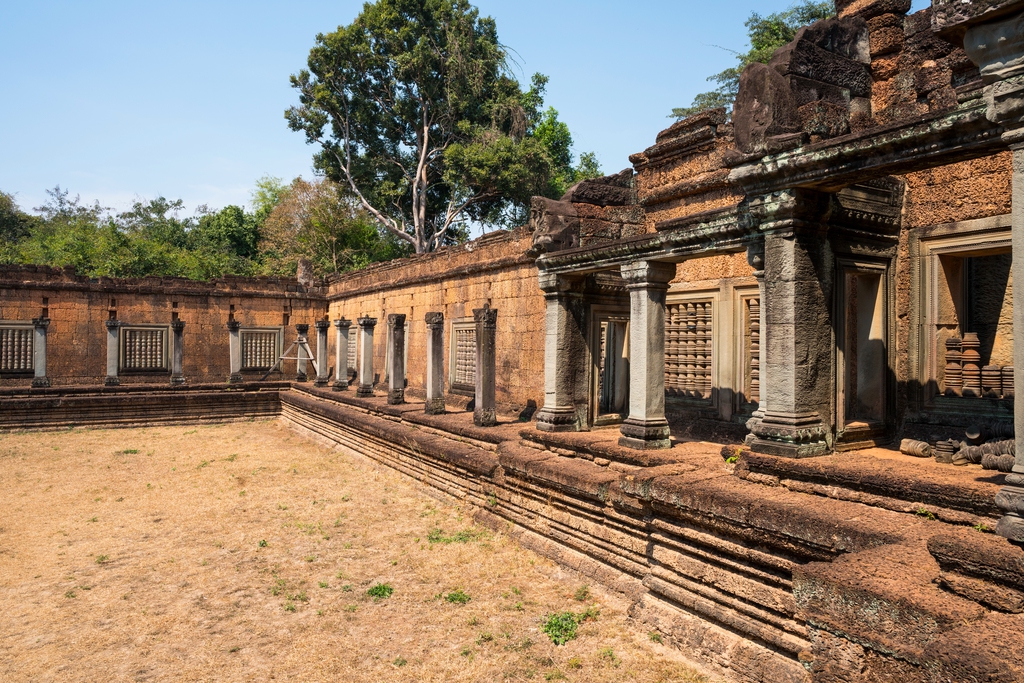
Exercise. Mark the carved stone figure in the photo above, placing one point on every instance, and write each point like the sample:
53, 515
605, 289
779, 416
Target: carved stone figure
555, 224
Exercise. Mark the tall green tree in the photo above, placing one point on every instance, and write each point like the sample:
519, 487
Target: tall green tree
766, 34
418, 116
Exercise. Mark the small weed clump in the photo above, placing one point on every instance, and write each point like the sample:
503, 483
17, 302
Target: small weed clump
380, 591
561, 627
582, 593
439, 536
656, 638
609, 654
458, 596
400, 661
927, 514
263, 543
102, 559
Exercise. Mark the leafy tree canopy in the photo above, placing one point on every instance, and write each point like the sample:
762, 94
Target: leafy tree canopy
766, 34
416, 113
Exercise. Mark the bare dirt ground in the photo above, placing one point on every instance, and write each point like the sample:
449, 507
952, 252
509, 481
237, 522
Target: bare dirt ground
245, 552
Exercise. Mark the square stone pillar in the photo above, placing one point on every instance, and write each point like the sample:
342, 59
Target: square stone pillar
300, 363
486, 319
177, 351
566, 393
396, 359
797, 349
234, 351
646, 426
40, 326
365, 379
435, 364
113, 339
342, 328
322, 377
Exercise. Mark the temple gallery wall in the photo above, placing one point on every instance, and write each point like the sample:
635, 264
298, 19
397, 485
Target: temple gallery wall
689, 380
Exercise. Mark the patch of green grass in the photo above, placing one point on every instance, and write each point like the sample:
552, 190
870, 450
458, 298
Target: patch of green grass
380, 591
555, 675
347, 588
466, 651
95, 519
927, 514
582, 593
263, 543
351, 608
324, 584
202, 464
439, 536
458, 596
492, 500
656, 637
400, 661
69, 594
575, 663
102, 559
127, 451
298, 597
609, 654
289, 607
484, 638
231, 458
983, 528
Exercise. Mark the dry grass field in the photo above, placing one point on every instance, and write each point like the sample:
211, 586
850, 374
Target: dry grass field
245, 552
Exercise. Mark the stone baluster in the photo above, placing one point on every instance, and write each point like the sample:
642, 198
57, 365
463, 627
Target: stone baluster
566, 393
113, 356
40, 326
396, 359
435, 364
646, 426
970, 359
235, 351
177, 351
486, 319
323, 376
365, 379
954, 370
341, 342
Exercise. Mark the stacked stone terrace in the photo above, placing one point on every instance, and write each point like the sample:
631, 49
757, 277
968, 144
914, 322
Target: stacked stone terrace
826, 272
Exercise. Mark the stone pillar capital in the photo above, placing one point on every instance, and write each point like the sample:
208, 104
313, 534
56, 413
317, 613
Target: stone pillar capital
366, 323
41, 323
234, 325
648, 274
755, 257
112, 324
486, 316
322, 325
557, 283
302, 329
177, 325
434, 319
396, 319
787, 211
342, 323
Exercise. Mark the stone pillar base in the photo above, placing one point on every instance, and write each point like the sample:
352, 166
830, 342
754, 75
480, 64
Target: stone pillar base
557, 420
800, 435
483, 417
340, 385
364, 390
435, 406
645, 435
112, 381
321, 382
40, 382
396, 397
235, 379
1010, 500
177, 380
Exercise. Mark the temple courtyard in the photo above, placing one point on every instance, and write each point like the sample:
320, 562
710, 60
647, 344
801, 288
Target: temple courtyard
245, 552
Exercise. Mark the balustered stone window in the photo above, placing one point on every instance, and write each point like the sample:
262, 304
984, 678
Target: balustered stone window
689, 337
463, 357
144, 349
260, 348
16, 349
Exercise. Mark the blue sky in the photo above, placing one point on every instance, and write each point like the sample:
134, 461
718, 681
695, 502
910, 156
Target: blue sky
118, 101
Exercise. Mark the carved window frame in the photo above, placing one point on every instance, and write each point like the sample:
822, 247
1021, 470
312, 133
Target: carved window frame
165, 352
454, 387
712, 295
19, 326
277, 331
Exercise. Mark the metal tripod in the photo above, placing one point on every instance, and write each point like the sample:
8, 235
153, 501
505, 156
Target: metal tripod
303, 345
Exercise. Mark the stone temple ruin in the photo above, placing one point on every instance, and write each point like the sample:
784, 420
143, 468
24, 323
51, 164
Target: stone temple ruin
825, 274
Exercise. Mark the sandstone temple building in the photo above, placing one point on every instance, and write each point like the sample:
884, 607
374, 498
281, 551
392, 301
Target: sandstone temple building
808, 283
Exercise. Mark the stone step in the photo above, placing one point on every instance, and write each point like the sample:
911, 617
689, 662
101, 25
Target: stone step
956, 495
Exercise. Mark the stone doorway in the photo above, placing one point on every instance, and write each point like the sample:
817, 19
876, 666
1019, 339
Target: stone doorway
609, 393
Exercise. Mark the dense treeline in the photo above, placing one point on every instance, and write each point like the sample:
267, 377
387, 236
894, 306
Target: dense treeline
312, 220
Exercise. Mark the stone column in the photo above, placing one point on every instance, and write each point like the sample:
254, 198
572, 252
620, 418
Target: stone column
177, 351
797, 370
486, 319
341, 354
566, 393
113, 338
396, 359
435, 364
322, 376
646, 426
300, 364
755, 257
365, 379
235, 351
39, 352
997, 47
